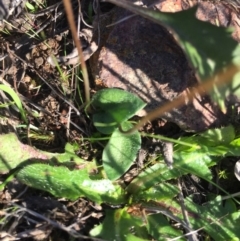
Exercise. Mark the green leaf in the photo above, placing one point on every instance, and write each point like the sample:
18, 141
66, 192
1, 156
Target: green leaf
105, 123
214, 150
234, 148
150, 176
215, 137
160, 229
219, 221
62, 182
119, 104
213, 141
158, 192
16, 99
192, 162
30, 6
119, 225
120, 152
13, 154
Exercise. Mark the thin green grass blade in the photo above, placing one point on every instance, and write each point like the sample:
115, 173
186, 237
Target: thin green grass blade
16, 99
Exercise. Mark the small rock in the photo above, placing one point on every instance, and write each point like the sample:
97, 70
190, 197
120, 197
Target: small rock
142, 57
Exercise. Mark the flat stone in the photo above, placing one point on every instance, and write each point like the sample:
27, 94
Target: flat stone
142, 57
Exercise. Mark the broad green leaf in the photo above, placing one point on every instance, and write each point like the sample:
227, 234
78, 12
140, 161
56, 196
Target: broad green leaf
212, 141
228, 228
214, 150
120, 104
231, 149
192, 162
200, 42
119, 225
63, 175
234, 148
150, 176
13, 153
215, 137
16, 99
120, 152
160, 228
218, 220
62, 182
104, 123
158, 192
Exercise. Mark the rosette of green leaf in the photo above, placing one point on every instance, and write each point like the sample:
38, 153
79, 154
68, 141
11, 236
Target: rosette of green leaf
120, 152
71, 184
200, 42
114, 106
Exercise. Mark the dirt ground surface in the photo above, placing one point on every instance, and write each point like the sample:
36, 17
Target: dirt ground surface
136, 55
